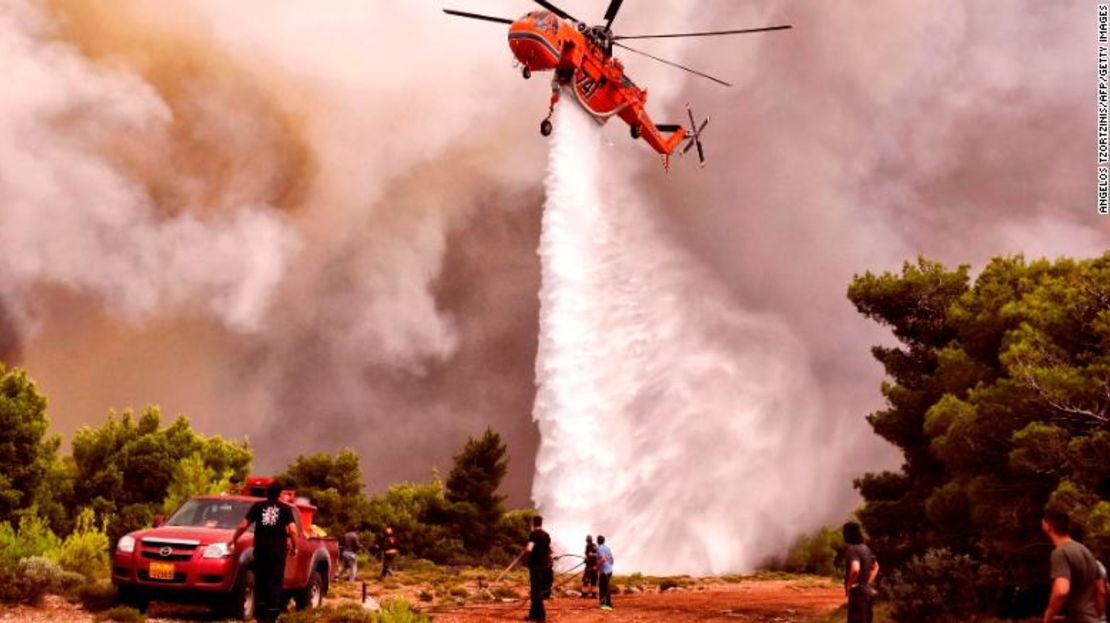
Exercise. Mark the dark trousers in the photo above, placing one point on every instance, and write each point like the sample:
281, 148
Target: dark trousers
537, 587
269, 571
589, 576
603, 594
859, 605
387, 564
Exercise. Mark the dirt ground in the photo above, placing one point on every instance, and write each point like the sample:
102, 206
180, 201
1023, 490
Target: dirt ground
771, 601
800, 600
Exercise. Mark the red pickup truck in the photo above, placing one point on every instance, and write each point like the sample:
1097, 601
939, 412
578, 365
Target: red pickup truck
186, 559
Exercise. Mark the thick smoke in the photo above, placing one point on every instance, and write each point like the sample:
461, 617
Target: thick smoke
246, 210
73, 218
318, 226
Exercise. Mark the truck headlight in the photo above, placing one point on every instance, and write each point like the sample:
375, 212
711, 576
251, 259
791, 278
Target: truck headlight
216, 550
126, 544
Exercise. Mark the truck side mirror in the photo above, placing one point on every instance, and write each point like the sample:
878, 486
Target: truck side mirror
159, 521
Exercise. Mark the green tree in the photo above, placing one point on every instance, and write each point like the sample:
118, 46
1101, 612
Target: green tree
417, 514
26, 453
999, 399
476, 506
54, 496
124, 469
194, 476
334, 484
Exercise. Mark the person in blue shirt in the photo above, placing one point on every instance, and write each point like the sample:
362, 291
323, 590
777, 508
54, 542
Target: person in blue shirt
604, 573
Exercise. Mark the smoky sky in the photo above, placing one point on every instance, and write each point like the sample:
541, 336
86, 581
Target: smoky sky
317, 226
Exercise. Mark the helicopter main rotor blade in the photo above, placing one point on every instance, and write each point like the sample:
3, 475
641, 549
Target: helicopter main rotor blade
712, 33
488, 18
666, 62
556, 10
611, 13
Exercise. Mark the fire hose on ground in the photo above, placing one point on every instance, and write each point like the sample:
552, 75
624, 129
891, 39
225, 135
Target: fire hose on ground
570, 574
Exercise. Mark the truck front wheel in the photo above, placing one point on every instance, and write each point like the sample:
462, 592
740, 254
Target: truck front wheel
241, 604
313, 594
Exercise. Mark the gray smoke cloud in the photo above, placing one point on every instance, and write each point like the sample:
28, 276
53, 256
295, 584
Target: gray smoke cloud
317, 226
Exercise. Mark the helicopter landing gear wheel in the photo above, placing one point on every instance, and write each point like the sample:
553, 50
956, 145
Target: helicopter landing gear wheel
527, 73
545, 127
635, 131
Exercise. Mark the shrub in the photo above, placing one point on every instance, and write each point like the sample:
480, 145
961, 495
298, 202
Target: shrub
668, 583
942, 586
37, 577
33, 538
459, 591
814, 553
71, 583
393, 611
351, 613
504, 592
121, 614
30, 542
302, 616
426, 595
97, 596
399, 611
85, 551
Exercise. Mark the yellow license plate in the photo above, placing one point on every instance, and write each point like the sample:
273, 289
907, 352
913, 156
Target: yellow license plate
161, 570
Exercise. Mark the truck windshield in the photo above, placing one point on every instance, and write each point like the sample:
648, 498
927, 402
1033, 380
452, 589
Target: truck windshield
210, 513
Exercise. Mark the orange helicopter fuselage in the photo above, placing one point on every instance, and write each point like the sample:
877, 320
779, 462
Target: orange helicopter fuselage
541, 41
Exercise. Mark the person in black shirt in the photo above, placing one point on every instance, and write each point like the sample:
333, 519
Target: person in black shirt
540, 562
860, 571
589, 576
275, 537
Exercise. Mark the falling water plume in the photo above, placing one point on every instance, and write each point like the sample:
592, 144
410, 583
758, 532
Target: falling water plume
672, 421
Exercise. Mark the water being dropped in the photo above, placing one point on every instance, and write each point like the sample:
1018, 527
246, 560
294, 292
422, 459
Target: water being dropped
672, 421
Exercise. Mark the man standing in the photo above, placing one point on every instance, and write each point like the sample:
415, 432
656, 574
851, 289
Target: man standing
275, 538
860, 571
1077, 592
351, 548
390, 548
605, 573
589, 576
540, 561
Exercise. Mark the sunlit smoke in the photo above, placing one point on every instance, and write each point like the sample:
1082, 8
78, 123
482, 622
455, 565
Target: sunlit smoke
672, 421
72, 218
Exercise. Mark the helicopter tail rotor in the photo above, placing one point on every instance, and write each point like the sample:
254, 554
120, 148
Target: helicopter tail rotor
693, 136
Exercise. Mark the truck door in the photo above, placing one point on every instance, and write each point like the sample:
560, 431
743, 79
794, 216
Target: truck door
296, 568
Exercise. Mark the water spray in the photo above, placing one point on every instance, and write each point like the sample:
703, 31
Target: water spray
670, 418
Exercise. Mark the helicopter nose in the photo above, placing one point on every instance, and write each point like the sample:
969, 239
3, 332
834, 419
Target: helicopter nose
535, 49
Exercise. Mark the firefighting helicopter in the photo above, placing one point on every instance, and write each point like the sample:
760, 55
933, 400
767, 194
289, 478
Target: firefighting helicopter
582, 59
